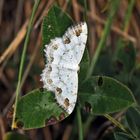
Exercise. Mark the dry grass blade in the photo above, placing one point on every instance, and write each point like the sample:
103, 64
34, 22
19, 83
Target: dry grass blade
18, 39
76, 10
93, 16
19, 16
44, 13
25, 74
92, 29
15, 43
136, 29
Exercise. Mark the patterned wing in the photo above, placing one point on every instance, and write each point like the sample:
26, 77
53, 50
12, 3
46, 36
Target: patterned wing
64, 83
60, 73
75, 38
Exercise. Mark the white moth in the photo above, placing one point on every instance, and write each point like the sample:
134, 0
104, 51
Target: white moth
63, 57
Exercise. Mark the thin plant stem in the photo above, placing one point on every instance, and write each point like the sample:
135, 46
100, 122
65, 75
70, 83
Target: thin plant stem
80, 127
128, 14
113, 10
87, 124
35, 7
118, 124
85, 10
127, 18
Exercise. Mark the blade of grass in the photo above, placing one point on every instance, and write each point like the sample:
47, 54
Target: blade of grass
85, 10
80, 126
128, 14
87, 124
113, 10
79, 120
127, 18
35, 7
119, 125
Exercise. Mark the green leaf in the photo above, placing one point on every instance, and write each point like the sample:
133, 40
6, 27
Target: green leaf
15, 136
135, 86
37, 109
133, 120
125, 57
83, 67
105, 95
54, 24
104, 63
122, 136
